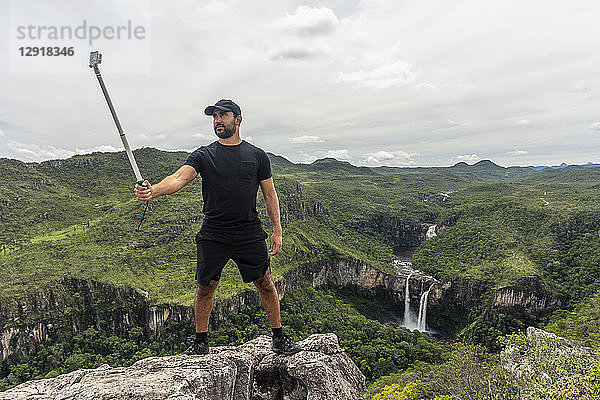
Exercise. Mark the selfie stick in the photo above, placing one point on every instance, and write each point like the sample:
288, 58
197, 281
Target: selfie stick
95, 59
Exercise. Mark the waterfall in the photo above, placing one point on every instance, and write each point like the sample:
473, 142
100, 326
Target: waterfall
409, 321
431, 232
422, 320
407, 301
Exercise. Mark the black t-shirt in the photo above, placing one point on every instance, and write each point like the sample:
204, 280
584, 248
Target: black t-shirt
230, 176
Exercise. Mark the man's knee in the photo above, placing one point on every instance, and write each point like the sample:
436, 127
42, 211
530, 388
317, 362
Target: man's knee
207, 291
265, 284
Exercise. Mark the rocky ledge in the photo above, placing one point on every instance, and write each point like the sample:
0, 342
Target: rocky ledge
250, 371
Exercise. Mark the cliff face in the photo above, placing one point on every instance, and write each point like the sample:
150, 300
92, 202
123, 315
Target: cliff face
398, 231
70, 304
294, 206
322, 371
345, 272
530, 301
79, 304
31, 321
449, 304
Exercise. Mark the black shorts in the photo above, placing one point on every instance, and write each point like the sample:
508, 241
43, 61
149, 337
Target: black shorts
252, 259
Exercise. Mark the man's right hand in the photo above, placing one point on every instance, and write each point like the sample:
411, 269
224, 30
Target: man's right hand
143, 193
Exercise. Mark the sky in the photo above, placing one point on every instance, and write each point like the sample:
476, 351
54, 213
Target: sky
372, 82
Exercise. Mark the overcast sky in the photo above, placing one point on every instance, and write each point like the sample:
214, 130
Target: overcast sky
373, 82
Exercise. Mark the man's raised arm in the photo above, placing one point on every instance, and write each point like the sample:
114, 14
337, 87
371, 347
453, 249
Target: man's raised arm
169, 185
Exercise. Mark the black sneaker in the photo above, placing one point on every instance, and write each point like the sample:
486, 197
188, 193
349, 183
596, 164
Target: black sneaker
284, 345
197, 349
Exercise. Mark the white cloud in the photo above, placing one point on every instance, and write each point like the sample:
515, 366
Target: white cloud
306, 34
307, 139
296, 53
595, 126
185, 150
33, 152
424, 86
580, 87
453, 125
398, 157
468, 158
522, 122
305, 158
381, 77
201, 136
339, 154
309, 21
515, 153
453, 122
2, 133
36, 153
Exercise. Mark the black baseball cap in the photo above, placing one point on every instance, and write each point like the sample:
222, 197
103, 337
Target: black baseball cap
225, 105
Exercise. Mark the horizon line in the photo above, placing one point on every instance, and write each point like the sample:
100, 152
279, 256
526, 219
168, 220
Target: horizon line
559, 164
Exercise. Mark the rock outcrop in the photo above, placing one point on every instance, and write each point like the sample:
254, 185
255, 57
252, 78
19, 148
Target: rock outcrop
540, 336
322, 371
546, 356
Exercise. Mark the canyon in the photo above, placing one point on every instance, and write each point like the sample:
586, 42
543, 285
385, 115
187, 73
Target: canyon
425, 303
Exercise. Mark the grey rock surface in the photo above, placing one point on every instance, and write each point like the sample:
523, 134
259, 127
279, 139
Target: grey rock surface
332, 374
538, 336
247, 372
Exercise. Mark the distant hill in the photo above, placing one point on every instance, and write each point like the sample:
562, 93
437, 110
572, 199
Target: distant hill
488, 170
331, 164
563, 165
484, 169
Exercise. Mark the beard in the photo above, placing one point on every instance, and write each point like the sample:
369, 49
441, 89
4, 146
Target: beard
226, 133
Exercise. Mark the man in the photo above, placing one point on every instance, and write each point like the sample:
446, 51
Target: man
231, 170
